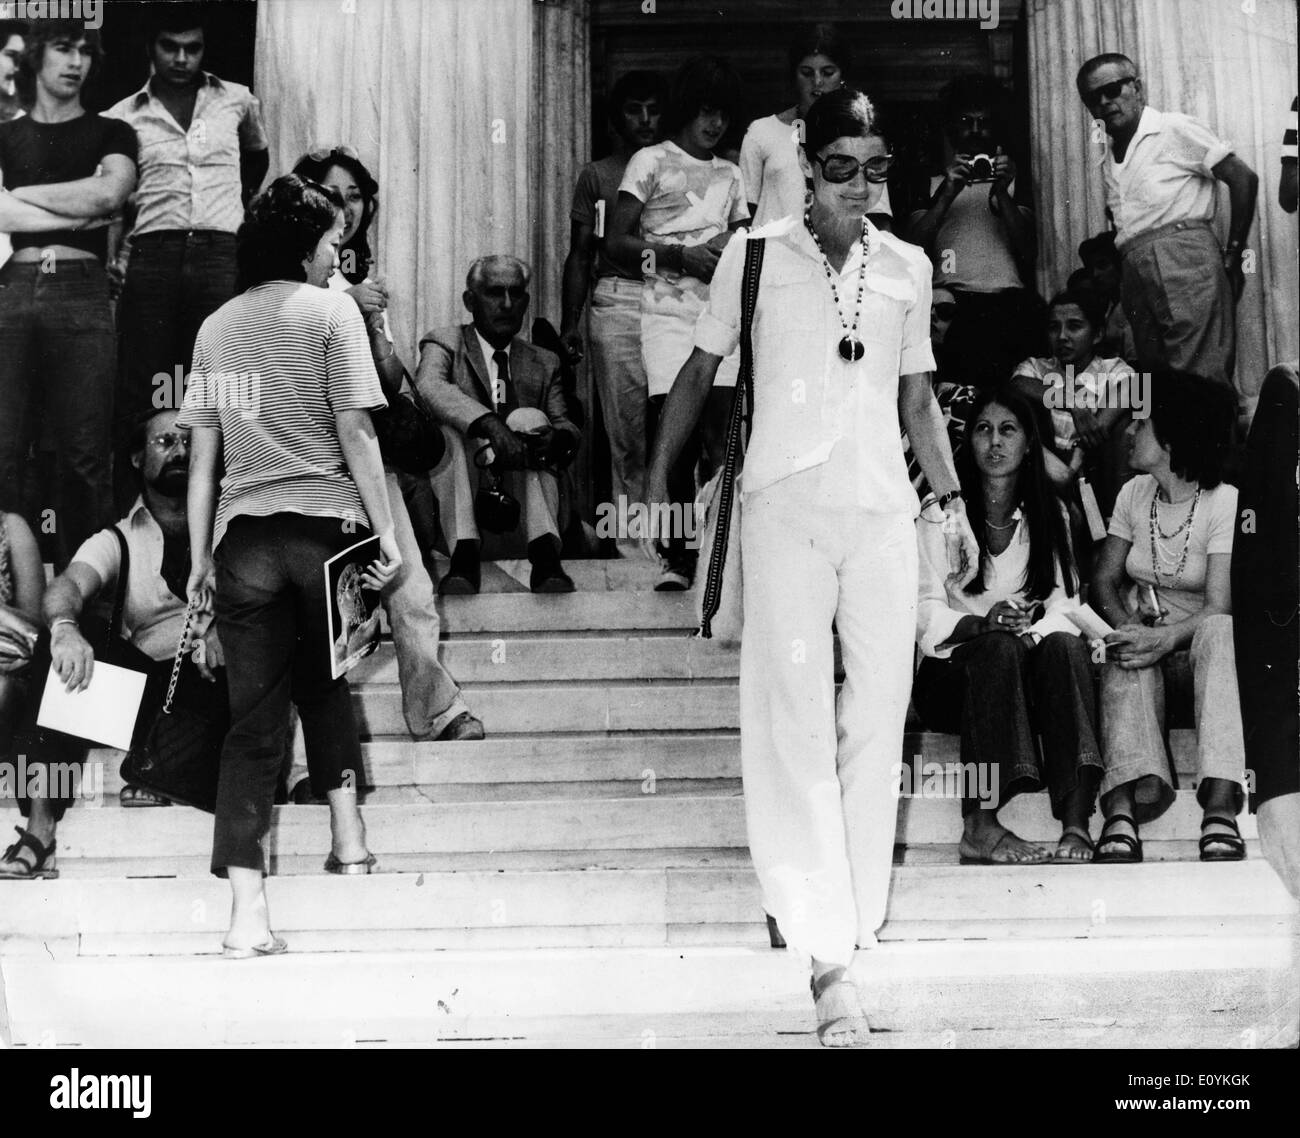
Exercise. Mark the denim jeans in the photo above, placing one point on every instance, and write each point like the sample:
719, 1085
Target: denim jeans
57, 363
270, 609
998, 693
175, 281
1133, 724
619, 374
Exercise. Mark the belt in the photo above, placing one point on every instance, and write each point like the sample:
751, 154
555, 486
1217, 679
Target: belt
163, 236
1149, 235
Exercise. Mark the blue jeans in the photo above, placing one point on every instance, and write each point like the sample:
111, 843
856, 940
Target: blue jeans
270, 609
57, 361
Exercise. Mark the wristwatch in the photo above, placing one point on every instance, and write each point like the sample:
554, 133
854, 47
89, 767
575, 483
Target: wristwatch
944, 499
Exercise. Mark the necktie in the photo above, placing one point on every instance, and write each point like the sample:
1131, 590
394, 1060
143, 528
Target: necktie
505, 390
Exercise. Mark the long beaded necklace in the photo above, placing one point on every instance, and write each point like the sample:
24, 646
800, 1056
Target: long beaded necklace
1160, 555
851, 348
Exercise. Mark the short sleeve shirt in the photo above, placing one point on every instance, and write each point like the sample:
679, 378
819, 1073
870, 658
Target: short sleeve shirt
271, 369
190, 179
685, 200
806, 397
44, 154
1211, 532
594, 197
1167, 174
1103, 383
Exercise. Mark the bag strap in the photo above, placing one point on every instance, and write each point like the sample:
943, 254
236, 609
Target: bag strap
742, 405
123, 576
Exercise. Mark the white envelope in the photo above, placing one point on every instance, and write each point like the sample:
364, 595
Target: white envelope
104, 713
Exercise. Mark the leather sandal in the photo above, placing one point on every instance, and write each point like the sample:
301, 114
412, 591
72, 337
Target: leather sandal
1132, 851
1236, 844
276, 946
836, 984
14, 868
350, 868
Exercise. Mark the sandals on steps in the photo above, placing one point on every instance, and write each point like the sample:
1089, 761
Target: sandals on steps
1132, 851
14, 868
1236, 844
846, 1013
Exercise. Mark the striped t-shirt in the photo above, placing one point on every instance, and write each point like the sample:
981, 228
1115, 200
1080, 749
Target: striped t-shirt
271, 369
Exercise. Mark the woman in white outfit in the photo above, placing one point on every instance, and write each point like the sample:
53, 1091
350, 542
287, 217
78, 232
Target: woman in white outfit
841, 339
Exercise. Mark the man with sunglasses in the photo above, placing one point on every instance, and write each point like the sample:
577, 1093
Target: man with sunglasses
203, 154
158, 548
1178, 287
981, 242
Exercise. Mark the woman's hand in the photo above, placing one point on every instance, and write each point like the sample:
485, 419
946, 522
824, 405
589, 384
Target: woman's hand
208, 654
380, 572
1088, 427
371, 296
1006, 616
72, 656
1137, 646
202, 584
959, 542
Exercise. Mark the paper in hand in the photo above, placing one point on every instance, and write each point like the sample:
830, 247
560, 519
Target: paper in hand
104, 713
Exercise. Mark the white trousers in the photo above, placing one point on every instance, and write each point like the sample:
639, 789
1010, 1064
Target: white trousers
820, 788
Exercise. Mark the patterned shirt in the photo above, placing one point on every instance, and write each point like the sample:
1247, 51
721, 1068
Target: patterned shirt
271, 369
685, 200
190, 179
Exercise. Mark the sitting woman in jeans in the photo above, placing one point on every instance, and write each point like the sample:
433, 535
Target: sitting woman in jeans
281, 390
1170, 543
1002, 661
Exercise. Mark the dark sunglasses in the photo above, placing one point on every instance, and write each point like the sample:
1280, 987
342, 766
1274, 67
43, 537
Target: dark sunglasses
843, 168
1093, 99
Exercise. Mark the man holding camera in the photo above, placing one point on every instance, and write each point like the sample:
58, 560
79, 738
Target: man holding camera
981, 243
506, 423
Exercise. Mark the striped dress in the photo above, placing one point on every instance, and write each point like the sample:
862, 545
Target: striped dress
271, 369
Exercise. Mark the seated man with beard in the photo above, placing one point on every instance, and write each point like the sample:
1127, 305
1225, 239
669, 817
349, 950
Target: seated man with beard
157, 539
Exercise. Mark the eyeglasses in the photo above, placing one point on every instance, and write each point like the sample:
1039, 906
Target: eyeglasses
1093, 99
323, 152
844, 168
170, 441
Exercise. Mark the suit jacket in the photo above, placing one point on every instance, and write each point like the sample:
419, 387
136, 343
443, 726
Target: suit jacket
452, 379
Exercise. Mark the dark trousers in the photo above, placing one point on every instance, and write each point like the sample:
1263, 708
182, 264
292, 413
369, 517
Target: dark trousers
175, 280
992, 332
50, 755
997, 693
270, 609
57, 364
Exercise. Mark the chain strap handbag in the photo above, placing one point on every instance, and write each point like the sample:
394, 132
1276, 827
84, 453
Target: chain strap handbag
721, 614
176, 749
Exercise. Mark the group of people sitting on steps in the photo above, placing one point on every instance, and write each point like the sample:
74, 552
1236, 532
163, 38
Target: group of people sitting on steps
1093, 404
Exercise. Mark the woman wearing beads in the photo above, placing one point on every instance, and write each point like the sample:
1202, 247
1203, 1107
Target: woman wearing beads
841, 339
1171, 537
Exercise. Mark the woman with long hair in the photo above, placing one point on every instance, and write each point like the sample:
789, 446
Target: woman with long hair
1003, 663
280, 393
1164, 582
841, 340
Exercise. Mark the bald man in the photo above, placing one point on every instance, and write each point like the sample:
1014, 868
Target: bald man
498, 398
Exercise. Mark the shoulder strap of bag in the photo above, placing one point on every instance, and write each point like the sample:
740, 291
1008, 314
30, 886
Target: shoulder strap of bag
742, 405
123, 576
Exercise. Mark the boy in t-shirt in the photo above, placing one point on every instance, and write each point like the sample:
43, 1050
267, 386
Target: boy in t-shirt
678, 205
636, 104
1087, 398
65, 172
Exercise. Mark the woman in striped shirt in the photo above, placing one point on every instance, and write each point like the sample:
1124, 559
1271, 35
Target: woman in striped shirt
281, 389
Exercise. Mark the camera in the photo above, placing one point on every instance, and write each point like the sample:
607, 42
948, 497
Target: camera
495, 510
981, 168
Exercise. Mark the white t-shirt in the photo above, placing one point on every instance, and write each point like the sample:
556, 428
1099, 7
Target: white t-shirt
769, 165
1108, 375
972, 246
1212, 532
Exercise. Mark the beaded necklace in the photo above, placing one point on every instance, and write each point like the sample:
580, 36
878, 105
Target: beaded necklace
1159, 555
850, 346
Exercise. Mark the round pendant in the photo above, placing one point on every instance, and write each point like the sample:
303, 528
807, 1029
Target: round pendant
851, 349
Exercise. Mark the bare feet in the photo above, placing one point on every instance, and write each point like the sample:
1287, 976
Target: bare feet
988, 843
1075, 845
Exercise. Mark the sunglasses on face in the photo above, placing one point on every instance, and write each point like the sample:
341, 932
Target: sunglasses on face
323, 152
169, 441
1093, 99
844, 168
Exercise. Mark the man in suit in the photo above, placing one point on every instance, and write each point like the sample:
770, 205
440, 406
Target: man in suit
500, 403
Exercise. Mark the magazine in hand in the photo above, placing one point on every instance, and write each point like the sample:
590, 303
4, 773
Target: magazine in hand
352, 609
